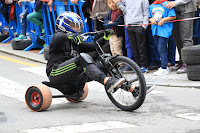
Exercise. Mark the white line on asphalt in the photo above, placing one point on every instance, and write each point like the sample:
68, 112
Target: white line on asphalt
36, 70
17, 91
86, 127
189, 116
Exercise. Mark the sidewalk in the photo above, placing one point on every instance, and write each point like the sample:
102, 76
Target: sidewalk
172, 80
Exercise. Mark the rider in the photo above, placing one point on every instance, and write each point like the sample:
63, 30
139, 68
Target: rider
68, 68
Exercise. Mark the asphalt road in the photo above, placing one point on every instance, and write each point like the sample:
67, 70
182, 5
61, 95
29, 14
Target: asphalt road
166, 109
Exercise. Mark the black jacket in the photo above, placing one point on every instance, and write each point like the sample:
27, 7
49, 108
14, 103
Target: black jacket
60, 49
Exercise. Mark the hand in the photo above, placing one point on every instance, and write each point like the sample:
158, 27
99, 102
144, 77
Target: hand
171, 4
75, 37
110, 22
50, 3
108, 34
161, 22
116, 1
153, 21
74, 1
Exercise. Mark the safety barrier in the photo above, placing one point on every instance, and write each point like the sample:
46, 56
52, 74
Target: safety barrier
49, 18
11, 28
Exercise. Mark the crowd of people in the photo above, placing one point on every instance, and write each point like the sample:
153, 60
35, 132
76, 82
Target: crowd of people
144, 29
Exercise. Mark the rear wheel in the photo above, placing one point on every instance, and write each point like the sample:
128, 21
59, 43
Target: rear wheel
122, 97
38, 98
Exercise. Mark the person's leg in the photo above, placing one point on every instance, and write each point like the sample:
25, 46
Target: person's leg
133, 42
142, 49
196, 29
171, 51
128, 45
162, 49
35, 18
152, 50
186, 32
116, 45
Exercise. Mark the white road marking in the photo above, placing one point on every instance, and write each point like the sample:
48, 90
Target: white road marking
156, 92
86, 127
17, 91
36, 70
189, 116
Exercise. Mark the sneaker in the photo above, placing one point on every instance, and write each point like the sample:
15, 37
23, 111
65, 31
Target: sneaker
21, 37
182, 69
175, 68
148, 90
112, 83
161, 72
144, 70
153, 67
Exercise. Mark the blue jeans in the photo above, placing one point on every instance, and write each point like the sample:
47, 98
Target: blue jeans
152, 48
128, 46
161, 42
171, 51
196, 29
24, 23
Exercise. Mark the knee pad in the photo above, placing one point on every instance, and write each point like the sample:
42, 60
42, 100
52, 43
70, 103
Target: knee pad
83, 60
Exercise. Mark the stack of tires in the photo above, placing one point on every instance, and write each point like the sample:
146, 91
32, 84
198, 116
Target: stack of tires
191, 57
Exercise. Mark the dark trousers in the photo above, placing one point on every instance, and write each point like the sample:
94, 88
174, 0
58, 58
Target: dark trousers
137, 37
152, 48
4, 12
196, 29
72, 75
171, 51
23, 15
161, 42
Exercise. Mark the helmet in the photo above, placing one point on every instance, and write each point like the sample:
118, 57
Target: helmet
69, 22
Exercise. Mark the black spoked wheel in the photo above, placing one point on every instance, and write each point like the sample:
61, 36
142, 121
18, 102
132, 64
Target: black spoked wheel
123, 97
38, 98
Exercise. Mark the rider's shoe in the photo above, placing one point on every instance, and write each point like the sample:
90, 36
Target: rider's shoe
112, 83
148, 90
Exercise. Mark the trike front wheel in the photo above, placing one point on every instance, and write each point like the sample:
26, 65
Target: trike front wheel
122, 97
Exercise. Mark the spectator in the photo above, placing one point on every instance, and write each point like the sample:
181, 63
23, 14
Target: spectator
135, 13
112, 20
23, 16
196, 28
95, 8
36, 16
4, 10
161, 31
183, 30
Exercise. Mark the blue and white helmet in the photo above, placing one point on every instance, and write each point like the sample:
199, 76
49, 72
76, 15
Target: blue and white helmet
69, 22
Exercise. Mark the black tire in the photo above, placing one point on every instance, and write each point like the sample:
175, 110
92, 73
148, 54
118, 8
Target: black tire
3, 37
38, 98
46, 52
21, 44
191, 55
136, 78
193, 72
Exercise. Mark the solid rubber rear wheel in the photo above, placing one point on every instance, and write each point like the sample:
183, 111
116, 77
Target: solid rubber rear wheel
38, 97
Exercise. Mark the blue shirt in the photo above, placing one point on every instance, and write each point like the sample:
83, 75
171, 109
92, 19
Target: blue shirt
158, 12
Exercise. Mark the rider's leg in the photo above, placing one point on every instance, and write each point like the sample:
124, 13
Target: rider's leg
87, 63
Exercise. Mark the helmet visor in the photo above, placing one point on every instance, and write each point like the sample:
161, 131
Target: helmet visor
76, 26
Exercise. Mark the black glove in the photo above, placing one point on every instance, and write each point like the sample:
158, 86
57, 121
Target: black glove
75, 37
108, 34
